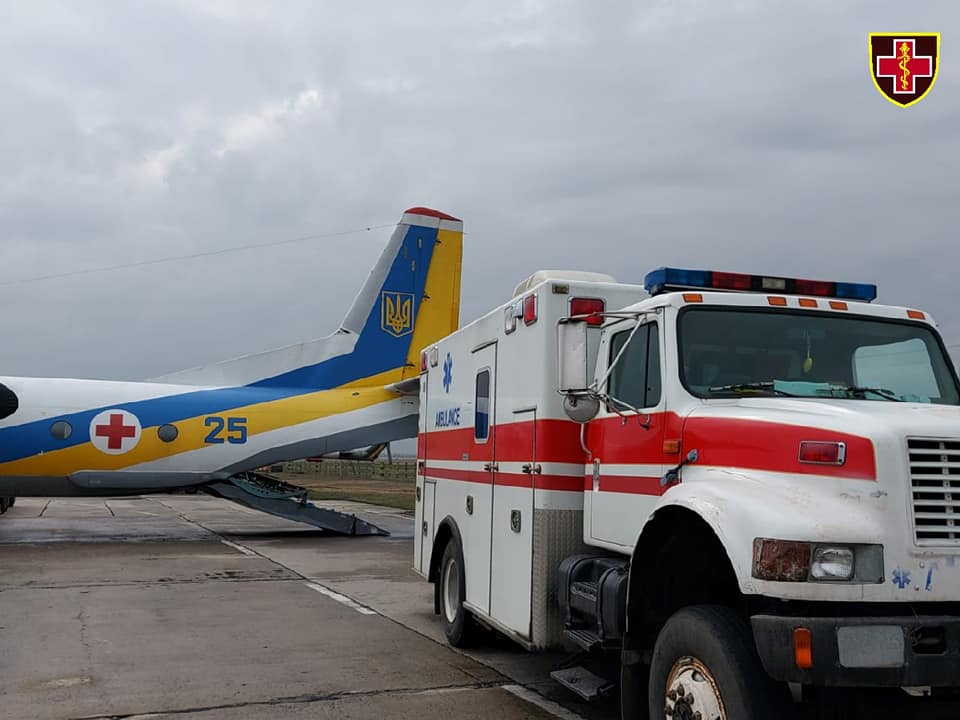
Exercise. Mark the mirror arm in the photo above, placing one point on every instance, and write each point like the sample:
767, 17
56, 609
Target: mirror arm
611, 403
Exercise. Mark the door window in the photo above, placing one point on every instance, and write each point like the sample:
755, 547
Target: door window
481, 425
636, 378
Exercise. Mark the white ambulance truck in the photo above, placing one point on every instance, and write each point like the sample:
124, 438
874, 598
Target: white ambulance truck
744, 490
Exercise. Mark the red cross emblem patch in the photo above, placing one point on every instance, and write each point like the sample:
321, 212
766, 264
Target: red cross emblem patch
904, 65
115, 431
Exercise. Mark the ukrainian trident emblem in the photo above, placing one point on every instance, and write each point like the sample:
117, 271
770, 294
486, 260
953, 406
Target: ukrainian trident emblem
904, 65
396, 313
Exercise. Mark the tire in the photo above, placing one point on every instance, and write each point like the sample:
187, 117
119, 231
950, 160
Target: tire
4, 504
13, 501
458, 624
706, 656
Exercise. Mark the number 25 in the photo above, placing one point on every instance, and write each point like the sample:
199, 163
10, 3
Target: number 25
236, 430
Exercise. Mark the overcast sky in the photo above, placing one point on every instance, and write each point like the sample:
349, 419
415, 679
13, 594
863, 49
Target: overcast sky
606, 136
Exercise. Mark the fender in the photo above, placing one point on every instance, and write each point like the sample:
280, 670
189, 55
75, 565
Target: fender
739, 506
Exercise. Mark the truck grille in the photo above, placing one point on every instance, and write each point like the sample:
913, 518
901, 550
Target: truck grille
935, 483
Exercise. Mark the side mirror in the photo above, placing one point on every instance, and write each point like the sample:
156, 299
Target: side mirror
573, 362
572, 356
581, 408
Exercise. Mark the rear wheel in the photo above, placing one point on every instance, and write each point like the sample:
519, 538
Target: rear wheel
4, 504
705, 665
458, 624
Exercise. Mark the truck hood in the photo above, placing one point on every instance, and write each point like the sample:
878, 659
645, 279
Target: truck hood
874, 419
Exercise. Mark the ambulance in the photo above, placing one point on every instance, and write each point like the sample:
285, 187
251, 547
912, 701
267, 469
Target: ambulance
734, 496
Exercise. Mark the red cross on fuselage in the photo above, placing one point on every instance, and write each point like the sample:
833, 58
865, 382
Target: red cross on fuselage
116, 431
904, 66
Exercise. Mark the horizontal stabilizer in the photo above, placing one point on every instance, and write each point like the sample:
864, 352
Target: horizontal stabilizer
260, 492
410, 387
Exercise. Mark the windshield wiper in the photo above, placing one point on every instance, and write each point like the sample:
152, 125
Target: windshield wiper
882, 392
743, 387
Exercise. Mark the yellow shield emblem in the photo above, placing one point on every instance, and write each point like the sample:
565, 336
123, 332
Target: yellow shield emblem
396, 313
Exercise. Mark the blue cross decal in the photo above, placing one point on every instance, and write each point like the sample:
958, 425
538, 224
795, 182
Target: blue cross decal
447, 373
901, 578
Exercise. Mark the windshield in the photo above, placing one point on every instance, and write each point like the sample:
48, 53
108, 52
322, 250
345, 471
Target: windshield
726, 352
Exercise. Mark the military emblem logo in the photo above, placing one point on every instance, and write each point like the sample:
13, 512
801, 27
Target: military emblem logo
904, 65
396, 313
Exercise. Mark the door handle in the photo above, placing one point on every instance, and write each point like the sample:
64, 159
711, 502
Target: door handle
531, 468
491, 466
526, 468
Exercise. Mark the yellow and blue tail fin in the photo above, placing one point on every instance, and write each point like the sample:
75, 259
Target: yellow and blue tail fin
410, 300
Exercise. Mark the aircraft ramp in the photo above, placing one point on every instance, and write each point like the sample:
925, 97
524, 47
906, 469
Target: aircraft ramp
270, 495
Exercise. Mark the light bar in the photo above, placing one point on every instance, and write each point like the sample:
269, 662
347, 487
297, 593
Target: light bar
666, 279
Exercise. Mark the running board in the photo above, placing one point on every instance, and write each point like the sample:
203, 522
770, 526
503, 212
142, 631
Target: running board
261, 492
583, 682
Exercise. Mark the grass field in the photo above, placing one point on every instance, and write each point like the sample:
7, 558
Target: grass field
392, 493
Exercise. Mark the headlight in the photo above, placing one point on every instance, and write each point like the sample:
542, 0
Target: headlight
832, 563
798, 561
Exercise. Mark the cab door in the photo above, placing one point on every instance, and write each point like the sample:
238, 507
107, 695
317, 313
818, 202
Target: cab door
515, 477
627, 446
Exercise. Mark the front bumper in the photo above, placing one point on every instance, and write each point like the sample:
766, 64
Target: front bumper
863, 651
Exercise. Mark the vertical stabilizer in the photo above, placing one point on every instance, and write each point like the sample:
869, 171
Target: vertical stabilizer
410, 299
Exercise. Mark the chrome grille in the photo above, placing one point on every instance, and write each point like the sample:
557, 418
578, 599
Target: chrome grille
935, 484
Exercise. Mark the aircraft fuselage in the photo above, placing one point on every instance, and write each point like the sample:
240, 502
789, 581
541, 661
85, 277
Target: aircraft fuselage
71, 437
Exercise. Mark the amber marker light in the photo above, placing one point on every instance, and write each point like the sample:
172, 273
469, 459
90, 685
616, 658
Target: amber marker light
803, 647
692, 297
671, 447
777, 300
916, 315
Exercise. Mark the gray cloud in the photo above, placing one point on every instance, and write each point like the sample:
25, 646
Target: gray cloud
612, 136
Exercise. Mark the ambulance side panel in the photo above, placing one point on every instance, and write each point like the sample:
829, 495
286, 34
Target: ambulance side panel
517, 496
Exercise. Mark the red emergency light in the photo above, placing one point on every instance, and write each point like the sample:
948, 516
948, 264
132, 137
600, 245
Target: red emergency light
592, 308
823, 453
529, 309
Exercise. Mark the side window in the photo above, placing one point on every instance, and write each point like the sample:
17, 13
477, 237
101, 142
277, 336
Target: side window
636, 378
481, 426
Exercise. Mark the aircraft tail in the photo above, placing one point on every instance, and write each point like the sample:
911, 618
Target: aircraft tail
410, 300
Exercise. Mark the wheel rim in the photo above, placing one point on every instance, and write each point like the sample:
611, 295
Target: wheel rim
451, 590
692, 692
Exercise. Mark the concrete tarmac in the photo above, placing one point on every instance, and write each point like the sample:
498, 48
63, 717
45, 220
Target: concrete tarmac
186, 606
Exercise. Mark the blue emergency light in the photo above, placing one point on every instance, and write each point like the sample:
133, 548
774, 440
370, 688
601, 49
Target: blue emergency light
667, 279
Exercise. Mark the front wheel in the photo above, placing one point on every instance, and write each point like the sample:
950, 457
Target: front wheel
705, 665
458, 624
